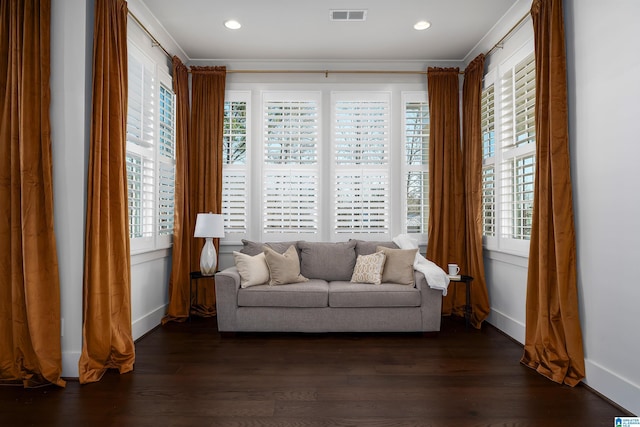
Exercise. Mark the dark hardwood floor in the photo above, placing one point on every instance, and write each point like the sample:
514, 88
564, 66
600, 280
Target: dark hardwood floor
187, 375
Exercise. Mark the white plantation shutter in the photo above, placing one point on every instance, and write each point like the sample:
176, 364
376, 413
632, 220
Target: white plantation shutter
140, 183
290, 202
235, 172
416, 130
166, 197
360, 135
141, 134
291, 170
166, 161
517, 150
517, 198
487, 105
361, 132
488, 201
361, 201
487, 114
234, 200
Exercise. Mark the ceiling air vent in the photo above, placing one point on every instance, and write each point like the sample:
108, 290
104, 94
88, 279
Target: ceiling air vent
348, 15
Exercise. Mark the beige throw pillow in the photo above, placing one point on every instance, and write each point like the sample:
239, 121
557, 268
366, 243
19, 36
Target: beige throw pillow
369, 268
253, 269
398, 268
283, 268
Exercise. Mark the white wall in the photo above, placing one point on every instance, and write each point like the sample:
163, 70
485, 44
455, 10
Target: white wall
604, 91
71, 44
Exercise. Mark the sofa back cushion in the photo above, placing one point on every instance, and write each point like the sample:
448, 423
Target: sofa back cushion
255, 248
364, 247
327, 261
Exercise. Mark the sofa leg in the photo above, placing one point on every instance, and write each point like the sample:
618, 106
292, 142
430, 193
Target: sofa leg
227, 334
430, 334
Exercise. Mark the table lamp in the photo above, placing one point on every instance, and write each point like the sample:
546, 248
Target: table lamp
209, 225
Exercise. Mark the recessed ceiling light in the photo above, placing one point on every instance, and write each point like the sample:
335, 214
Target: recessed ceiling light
422, 25
232, 24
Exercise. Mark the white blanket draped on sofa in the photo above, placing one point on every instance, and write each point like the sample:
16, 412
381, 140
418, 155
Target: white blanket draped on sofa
436, 277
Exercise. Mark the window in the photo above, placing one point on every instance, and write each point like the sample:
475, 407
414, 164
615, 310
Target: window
290, 177
325, 164
150, 156
508, 146
416, 163
360, 135
235, 200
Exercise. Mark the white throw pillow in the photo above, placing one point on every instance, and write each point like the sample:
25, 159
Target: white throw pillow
369, 268
253, 269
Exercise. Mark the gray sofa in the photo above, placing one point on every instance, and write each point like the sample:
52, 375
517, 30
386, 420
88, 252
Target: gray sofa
328, 301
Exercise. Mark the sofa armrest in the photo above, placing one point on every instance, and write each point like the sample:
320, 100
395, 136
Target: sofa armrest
227, 285
431, 307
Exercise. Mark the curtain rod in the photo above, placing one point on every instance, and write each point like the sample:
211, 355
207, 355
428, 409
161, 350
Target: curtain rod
326, 73
499, 44
155, 41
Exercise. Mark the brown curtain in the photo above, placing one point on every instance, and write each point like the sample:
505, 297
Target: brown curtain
553, 340
205, 164
179, 286
472, 161
107, 338
446, 188
30, 351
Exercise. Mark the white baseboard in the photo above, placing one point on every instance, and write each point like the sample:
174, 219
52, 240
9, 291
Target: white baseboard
605, 382
615, 388
144, 324
510, 326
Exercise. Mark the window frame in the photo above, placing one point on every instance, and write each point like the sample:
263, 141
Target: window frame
413, 97
156, 240
233, 235
309, 169
364, 169
495, 77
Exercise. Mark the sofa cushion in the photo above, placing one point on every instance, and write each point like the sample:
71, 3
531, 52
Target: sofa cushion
348, 294
398, 268
369, 268
313, 293
255, 248
283, 268
327, 261
364, 247
253, 270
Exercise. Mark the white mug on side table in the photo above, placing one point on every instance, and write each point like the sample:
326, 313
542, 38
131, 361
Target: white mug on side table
454, 269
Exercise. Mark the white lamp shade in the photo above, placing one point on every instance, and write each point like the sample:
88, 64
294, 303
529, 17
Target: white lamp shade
209, 225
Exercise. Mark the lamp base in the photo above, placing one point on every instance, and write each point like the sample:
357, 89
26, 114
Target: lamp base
208, 258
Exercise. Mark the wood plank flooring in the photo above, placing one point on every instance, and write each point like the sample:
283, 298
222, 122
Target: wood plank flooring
186, 374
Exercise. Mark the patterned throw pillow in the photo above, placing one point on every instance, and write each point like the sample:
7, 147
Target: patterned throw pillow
369, 268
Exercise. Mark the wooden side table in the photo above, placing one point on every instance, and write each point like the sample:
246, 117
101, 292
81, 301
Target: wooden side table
194, 276
468, 310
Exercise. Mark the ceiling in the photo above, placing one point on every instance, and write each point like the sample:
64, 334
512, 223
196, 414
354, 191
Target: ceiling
299, 30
